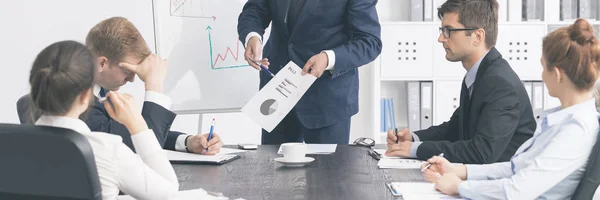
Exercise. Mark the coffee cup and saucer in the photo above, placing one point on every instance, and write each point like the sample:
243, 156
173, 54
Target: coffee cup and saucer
294, 155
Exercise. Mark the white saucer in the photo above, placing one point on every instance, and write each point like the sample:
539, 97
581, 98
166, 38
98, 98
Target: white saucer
294, 163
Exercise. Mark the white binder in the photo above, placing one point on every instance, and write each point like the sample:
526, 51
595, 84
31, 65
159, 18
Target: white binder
538, 99
426, 104
417, 8
414, 105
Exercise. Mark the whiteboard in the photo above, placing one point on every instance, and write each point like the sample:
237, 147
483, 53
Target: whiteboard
207, 70
29, 26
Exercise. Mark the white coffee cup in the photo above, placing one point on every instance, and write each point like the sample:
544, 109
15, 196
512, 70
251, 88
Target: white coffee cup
293, 151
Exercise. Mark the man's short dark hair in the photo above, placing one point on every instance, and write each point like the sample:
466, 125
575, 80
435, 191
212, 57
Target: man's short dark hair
475, 13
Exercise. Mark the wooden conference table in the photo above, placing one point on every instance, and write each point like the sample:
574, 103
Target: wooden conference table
349, 173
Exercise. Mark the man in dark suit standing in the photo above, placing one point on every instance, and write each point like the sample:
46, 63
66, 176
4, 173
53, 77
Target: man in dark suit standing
121, 54
495, 115
330, 39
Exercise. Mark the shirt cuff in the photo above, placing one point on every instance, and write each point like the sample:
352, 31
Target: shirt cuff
250, 35
145, 143
180, 143
475, 172
158, 98
331, 58
415, 137
413, 149
464, 189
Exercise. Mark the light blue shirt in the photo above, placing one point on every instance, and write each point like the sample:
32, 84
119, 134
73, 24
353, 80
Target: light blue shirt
469, 81
547, 166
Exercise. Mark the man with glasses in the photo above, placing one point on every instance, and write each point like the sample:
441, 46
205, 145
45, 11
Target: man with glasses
495, 116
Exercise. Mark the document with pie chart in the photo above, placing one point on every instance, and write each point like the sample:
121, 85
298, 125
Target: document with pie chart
274, 101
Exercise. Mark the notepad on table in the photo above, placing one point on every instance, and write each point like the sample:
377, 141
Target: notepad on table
185, 195
417, 190
176, 157
382, 153
316, 149
399, 163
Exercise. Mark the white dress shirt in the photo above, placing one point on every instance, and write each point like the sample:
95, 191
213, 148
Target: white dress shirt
145, 175
547, 166
161, 100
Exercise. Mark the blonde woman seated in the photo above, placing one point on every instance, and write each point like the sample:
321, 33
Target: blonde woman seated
551, 163
61, 81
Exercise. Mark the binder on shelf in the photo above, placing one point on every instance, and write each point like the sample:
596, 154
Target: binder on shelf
534, 10
586, 11
515, 10
392, 114
502, 10
568, 10
382, 115
538, 99
388, 120
426, 104
428, 10
529, 87
416, 10
414, 105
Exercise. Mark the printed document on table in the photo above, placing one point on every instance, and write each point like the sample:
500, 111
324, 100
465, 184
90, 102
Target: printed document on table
274, 101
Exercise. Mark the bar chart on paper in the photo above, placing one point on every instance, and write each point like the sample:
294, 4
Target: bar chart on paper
207, 69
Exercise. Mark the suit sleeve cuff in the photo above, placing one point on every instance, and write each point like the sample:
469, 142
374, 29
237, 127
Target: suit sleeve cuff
250, 35
415, 137
180, 143
331, 58
158, 98
475, 172
413, 149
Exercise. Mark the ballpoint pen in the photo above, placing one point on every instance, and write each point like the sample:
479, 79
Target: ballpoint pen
396, 132
429, 164
264, 68
212, 127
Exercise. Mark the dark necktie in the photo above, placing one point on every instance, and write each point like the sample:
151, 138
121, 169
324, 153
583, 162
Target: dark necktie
102, 92
293, 12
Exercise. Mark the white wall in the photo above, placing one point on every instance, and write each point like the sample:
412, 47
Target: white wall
29, 26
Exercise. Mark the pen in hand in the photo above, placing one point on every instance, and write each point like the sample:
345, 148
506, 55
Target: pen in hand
212, 127
429, 164
263, 68
396, 133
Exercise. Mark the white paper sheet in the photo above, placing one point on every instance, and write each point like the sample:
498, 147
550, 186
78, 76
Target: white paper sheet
397, 163
382, 153
317, 149
274, 101
419, 190
225, 151
184, 156
184, 195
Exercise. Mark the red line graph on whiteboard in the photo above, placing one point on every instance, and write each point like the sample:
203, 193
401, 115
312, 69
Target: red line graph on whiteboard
228, 51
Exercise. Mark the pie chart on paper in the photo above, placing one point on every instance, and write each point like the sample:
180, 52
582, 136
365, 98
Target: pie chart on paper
268, 107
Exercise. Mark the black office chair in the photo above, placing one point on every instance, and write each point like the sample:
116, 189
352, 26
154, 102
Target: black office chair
39, 162
27, 114
591, 178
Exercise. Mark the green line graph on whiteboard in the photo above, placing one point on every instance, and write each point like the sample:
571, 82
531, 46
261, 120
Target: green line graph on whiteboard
214, 61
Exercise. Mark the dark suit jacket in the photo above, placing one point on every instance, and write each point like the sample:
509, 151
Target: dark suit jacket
159, 119
348, 27
490, 126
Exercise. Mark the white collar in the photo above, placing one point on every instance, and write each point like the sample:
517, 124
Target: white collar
64, 122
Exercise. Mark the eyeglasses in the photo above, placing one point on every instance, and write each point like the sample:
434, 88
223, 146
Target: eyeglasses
447, 30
